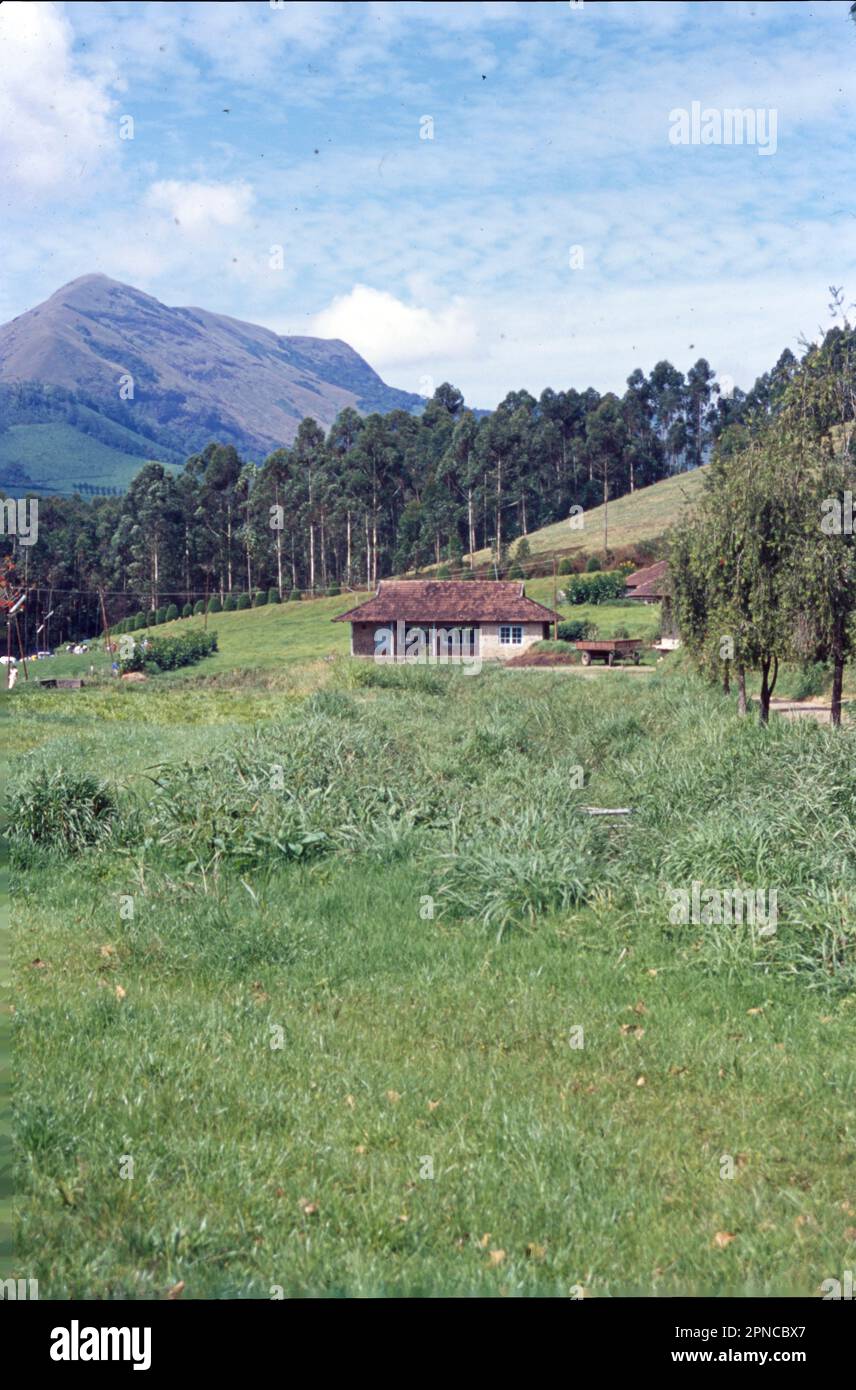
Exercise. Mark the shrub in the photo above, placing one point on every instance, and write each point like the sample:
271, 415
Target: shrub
260, 598
169, 653
566, 567
273, 596
333, 590
295, 596
244, 601
151, 617
214, 605
199, 607
444, 572
593, 564
231, 603
187, 611
62, 810
171, 613
603, 587
160, 616
515, 572
576, 630
139, 622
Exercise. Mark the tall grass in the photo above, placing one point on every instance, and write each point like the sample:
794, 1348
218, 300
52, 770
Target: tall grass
402, 886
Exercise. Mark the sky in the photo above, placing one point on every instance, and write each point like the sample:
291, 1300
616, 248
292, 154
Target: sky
490, 194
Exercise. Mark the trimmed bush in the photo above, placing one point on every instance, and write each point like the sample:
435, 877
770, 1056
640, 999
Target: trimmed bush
295, 596
231, 603
139, 622
187, 611
576, 630
333, 591
199, 607
151, 617
169, 653
171, 613
593, 564
566, 567
444, 572
244, 601
214, 605
515, 572
260, 598
273, 596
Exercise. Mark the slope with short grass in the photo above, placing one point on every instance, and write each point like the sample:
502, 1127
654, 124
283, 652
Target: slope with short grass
645, 515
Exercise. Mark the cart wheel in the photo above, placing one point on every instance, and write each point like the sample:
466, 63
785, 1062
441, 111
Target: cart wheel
586, 658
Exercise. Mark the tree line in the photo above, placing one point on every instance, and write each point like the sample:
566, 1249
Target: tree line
381, 494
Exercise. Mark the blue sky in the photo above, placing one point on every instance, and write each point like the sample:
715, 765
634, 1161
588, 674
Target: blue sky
298, 126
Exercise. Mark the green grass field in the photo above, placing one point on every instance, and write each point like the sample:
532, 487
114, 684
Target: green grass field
303, 1010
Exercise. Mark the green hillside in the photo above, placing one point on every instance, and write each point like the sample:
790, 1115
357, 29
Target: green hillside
57, 458
644, 515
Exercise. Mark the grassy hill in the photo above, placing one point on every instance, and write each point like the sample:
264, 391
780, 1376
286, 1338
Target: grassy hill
644, 515
57, 459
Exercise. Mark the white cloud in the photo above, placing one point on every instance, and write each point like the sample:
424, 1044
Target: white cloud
197, 207
54, 120
390, 333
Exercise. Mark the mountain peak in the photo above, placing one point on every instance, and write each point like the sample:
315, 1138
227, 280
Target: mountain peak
196, 375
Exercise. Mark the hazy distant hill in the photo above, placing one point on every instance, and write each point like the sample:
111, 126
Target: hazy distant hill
196, 376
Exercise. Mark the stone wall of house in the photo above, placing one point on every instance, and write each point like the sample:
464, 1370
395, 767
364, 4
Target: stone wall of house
488, 646
492, 649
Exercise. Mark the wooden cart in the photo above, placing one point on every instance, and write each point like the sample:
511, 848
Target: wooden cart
610, 650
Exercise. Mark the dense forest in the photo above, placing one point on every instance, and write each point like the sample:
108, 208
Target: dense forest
378, 494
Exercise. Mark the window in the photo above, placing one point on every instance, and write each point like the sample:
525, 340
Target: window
511, 634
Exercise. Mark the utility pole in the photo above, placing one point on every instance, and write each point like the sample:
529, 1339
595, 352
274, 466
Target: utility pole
555, 601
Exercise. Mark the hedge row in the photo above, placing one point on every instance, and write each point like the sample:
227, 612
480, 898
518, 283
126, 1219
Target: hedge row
168, 653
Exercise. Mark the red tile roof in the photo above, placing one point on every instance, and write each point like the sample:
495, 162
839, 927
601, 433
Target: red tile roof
449, 601
651, 582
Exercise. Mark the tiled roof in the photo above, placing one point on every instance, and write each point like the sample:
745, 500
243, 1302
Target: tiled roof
449, 601
651, 582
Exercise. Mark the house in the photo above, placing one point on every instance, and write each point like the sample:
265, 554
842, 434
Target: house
447, 619
651, 585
